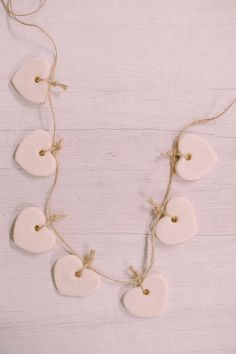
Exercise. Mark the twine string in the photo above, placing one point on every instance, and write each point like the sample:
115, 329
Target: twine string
36, 10
49, 221
86, 263
9, 9
158, 210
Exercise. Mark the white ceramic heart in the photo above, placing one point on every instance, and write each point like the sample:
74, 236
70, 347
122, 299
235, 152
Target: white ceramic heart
24, 80
67, 283
25, 234
172, 232
152, 304
201, 157
28, 154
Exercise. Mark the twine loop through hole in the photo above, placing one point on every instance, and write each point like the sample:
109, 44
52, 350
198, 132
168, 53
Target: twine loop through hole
86, 263
138, 280
50, 220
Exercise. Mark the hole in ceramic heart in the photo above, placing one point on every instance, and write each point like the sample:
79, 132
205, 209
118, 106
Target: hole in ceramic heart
146, 292
37, 227
174, 219
37, 79
78, 273
41, 152
188, 157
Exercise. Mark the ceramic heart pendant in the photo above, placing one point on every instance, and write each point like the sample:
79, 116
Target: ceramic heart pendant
68, 283
179, 225
25, 80
149, 303
197, 158
30, 154
26, 234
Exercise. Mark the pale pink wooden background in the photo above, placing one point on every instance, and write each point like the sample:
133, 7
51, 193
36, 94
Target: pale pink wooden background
137, 71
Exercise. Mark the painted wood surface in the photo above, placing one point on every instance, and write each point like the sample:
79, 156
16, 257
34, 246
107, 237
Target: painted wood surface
137, 72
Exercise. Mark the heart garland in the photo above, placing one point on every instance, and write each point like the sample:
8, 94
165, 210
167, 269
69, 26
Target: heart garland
174, 219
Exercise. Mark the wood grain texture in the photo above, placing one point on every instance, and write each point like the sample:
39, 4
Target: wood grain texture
137, 72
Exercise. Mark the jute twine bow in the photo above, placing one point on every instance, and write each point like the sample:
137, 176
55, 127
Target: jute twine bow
86, 263
158, 211
175, 154
51, 83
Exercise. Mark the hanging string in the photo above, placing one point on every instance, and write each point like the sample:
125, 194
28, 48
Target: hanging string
53, 83
9, 8
36, 10
159, 209
174, 155
53, 149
